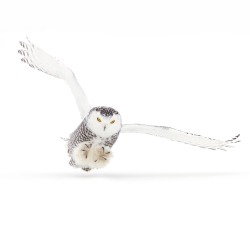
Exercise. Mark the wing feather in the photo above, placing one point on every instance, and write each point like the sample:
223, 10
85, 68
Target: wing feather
180, 136
40, 60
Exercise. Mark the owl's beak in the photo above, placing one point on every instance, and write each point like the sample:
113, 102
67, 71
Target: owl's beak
104, 127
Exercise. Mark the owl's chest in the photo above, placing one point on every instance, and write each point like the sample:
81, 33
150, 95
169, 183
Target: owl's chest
83, 134
98, 141
106, 142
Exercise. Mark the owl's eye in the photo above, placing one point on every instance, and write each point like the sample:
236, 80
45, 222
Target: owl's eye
98, 119
112, 122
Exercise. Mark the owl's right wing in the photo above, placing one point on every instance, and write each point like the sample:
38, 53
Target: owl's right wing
39, 59
180, 136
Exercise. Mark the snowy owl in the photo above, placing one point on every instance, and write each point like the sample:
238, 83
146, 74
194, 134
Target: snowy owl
89, 146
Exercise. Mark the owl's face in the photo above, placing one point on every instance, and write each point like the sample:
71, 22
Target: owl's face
104, 121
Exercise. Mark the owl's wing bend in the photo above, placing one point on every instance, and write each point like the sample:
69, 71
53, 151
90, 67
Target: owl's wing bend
39, 59
180, 136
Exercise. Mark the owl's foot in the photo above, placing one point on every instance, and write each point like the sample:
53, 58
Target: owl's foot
103, 155
86, 169
81, 155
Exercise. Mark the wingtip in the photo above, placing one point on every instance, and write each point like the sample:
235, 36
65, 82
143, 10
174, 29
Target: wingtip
30, 43
25, 45
21, 44
28, 39
234, 139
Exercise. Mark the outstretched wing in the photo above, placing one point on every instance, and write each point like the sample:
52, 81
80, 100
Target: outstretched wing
39, 59
180, 136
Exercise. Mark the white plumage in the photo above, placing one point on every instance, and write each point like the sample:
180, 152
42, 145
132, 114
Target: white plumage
180, 136
39, 59
91, 130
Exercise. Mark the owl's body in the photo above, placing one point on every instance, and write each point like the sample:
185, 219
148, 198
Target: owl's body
89, 146
87, 149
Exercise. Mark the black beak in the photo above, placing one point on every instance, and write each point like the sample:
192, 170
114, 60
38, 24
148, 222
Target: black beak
104, 127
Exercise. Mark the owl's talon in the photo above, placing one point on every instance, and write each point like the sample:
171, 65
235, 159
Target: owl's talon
88, 146
86, 152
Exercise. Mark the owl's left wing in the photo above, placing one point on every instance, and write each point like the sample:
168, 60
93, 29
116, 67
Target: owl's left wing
180, 136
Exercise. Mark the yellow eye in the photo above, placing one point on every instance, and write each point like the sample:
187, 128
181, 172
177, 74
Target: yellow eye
112, 122
98, 119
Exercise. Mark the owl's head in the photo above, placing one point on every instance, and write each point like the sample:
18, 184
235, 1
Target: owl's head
104, 121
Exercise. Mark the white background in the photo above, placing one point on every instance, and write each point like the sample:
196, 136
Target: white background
183, 64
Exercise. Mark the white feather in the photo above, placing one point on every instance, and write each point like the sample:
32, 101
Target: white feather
180, 136
39, 59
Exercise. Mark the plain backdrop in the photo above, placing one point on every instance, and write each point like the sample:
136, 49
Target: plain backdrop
183, 64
